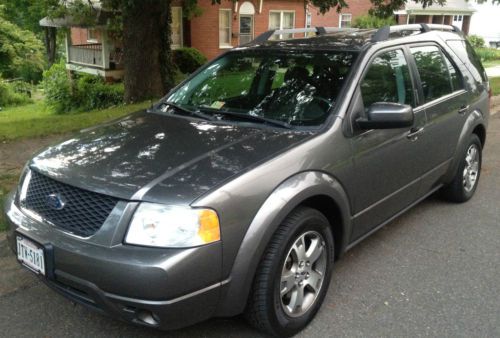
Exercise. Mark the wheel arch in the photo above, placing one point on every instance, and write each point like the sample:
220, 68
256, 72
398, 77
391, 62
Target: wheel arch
475, 124
329, 207
312, 188
480, 131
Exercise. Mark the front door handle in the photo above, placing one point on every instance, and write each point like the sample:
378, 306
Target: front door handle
463, 110
414, 133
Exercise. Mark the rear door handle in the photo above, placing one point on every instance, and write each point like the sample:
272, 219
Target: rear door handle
415, 133
463, 110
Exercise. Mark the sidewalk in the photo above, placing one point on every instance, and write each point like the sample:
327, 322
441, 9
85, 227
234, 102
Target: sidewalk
493, 71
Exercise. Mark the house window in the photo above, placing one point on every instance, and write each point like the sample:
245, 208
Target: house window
345, 20
176, 27
91, 35
308, 19
282, 20
224, 28
309, 24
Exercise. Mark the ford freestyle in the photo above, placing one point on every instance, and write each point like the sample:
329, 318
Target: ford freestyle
238, 191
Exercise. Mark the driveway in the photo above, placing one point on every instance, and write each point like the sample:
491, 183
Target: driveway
435, 271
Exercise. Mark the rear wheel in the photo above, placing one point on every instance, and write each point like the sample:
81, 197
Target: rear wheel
293, 275
464, 184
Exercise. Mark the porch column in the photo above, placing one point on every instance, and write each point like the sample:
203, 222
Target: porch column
68, 43
105, 49
466, 24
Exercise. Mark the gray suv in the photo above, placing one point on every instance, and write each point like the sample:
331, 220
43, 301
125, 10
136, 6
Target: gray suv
237, 192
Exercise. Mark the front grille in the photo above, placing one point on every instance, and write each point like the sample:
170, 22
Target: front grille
83, 212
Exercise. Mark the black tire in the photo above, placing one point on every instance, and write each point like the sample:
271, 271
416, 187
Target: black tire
265, 310
457, 191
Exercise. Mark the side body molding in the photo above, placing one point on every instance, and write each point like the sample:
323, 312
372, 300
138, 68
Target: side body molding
474, 119
287, 196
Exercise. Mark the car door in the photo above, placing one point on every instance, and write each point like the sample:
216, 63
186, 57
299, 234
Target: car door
445, 103
386, 161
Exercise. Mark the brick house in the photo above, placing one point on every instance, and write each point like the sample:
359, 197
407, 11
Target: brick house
218, 28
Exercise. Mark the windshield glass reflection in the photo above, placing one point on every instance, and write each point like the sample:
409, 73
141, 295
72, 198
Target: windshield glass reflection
294, 88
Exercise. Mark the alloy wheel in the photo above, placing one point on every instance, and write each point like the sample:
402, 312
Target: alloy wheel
303, 273
471, 169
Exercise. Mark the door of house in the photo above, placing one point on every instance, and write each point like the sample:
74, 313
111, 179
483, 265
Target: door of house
246, 28
458, 21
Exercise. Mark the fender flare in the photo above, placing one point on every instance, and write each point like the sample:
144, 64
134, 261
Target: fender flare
474, 119
287, 196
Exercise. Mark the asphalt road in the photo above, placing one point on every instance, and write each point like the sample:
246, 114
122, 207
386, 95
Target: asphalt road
435, 271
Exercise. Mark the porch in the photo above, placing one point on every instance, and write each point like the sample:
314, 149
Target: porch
90, 49
95, 58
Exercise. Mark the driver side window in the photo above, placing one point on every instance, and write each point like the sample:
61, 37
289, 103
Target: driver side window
388, 80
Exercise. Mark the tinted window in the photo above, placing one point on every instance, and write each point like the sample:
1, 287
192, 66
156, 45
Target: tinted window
434, 72
466, 53
388, 80
456, 80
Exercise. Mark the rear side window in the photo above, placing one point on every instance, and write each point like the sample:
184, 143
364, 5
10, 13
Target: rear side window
437, 74
388, 80
455, 78
466, 53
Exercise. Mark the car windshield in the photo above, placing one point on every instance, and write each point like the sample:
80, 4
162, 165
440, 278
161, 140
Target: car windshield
285, 87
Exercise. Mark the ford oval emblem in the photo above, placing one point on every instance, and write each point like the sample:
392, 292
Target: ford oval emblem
55, 201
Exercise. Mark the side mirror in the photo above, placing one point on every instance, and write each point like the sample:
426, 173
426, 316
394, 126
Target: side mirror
385, 115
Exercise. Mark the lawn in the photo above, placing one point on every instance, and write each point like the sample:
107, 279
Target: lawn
489, 57
495, 85
492, 63
36, 120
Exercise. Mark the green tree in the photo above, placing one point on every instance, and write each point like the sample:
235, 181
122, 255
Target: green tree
144, 26
371, 21
21, 52
27, 15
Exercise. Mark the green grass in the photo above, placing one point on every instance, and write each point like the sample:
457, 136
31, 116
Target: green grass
492, 63
495, 85
34, 120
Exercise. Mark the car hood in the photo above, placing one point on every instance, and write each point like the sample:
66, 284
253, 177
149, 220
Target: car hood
159, 158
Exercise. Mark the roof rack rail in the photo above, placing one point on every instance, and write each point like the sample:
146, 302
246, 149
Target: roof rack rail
384, 33
317, 30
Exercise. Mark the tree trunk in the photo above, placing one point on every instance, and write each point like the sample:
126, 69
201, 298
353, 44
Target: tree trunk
146, 45
50, 44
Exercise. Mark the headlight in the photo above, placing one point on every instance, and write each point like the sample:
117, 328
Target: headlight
172, 226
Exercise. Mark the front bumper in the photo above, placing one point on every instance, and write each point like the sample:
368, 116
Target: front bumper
163, 288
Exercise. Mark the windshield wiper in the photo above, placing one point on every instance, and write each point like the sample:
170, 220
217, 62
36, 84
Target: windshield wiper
184, 111
247, 117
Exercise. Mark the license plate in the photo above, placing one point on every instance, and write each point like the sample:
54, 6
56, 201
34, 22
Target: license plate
30, 255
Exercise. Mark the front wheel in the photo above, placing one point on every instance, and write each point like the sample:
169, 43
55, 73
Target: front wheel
293, 275
464, 184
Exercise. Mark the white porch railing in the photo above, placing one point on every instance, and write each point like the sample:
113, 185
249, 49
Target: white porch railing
88, 54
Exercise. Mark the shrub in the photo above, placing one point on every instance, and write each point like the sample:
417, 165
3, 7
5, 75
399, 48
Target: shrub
371, 21
488, 54
11, 96
57, 86
476, 41
85, 92
92, 92
188, 59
